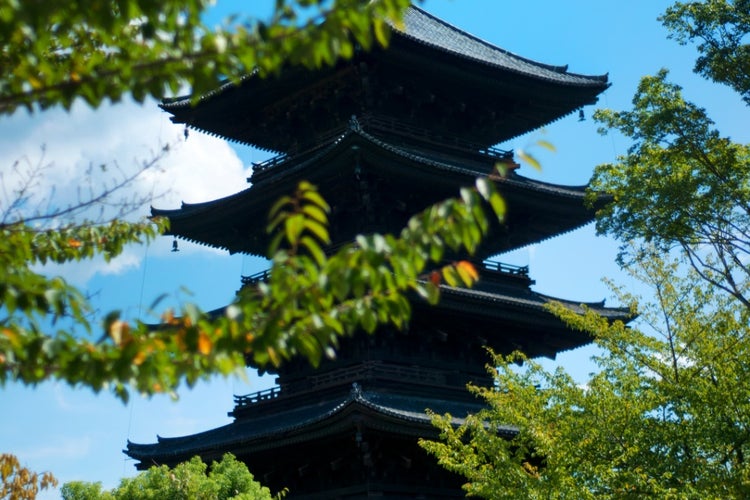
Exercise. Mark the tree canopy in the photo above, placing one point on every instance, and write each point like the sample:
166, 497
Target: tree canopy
666, 415
721, 28
227, 479
94, 50
18, 482
682, 185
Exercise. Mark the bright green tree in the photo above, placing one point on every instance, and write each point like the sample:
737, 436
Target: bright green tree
192, 480
668, 414
682, 184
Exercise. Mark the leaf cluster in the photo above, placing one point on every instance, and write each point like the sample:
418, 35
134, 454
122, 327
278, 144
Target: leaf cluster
721, 28
224, 480
31, 301
310, 300
667, 415
54, 53
20, 483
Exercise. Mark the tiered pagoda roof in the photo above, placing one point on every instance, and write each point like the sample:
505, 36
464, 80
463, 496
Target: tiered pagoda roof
351, 427
432, 76
400, 414
383, 184
383, 136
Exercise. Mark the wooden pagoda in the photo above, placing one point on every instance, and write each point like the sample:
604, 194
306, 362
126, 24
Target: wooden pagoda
383, 136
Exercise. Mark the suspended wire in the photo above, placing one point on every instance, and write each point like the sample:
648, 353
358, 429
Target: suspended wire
143, 282
131, 403
610, 134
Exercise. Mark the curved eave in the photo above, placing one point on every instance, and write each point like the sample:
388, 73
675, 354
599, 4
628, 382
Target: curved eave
519, 317
219, 223
428, 30
423, 41
535, 301
454, 165
207, 211
385, 412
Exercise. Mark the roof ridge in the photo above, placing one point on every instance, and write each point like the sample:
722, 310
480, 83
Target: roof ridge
552, 67
559, 69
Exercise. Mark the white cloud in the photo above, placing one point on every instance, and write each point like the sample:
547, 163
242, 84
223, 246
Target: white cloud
199, 169
79, 273
123, 135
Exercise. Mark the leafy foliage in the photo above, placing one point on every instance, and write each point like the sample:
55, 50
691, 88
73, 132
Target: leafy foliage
54, 53
667, 415
31, 299
104, 49
310, 300
722, 28
226, 479
32, 302
681, 185
19, 483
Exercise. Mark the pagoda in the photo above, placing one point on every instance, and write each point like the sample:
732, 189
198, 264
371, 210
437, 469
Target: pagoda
384, 135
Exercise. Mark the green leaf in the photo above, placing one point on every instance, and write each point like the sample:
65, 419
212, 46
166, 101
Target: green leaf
528, 158
498, 205
450, 276
484, 187
319, 230
315, 250
381, 32
316, 199
293, 227
316, 213
546, 145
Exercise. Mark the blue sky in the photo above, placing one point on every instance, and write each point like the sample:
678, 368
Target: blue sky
80, 435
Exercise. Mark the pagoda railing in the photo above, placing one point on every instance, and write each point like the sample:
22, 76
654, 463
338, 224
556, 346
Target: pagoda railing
253, 279
269, 163
257, 397
503, 268
372, 122
363, 372
489, 265
426, 135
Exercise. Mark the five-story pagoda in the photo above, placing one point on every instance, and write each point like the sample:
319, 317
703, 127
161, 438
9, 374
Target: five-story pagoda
383, 136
